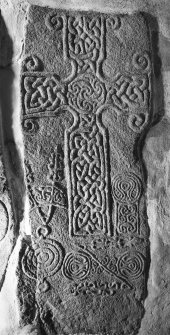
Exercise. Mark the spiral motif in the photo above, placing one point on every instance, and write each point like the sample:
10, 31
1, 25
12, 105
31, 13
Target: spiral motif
86, 94
137, 122
127, 218
50, 255
53, 21
131, 266
142, 61
76, 266
31, 126
50, 194
126, 187
114, 23
32, 63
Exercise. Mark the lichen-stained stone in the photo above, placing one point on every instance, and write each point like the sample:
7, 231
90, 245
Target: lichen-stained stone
86, 87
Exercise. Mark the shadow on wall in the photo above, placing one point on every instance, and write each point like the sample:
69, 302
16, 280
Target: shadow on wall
158, 138
157, 99
11, 157
155, 155
157, 103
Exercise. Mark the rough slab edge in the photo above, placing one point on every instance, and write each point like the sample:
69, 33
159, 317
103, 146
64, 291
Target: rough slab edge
108, 6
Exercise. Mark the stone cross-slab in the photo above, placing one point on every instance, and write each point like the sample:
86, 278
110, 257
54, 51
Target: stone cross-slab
86, 104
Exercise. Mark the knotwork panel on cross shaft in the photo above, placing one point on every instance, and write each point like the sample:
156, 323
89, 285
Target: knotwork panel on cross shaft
86, 86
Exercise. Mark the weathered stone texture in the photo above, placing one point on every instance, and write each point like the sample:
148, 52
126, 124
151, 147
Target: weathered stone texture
86, 87
26, 274
7, 227
7, 223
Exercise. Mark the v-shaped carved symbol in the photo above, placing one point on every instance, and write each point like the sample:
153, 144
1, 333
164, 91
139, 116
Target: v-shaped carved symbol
46, 197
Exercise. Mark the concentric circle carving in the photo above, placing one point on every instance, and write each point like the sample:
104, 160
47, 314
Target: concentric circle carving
76, 266
50, 255
131, 266
126, 187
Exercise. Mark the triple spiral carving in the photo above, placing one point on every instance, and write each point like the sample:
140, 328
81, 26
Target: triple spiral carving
86, 94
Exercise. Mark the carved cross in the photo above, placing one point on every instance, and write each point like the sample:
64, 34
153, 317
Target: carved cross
86, 93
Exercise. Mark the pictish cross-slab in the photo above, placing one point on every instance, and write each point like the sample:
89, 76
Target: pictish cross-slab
86, 89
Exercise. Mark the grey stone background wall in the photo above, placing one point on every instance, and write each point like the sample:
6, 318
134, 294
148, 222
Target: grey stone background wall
156, 154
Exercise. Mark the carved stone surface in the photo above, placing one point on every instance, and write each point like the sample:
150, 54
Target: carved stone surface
26, 287
8, 228
7, 235
86, 87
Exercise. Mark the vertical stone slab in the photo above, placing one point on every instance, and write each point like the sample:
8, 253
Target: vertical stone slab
86, 104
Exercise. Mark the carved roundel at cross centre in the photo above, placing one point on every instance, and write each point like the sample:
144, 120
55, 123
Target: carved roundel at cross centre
86, 93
